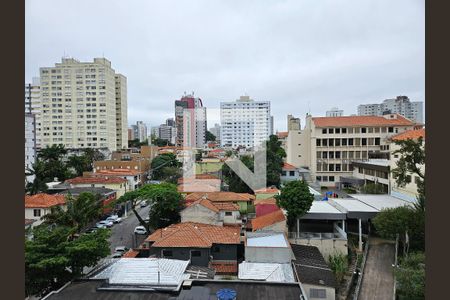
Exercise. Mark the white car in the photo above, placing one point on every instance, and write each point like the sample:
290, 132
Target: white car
140, 230
114, 219
144, 203
106, 223
122, 249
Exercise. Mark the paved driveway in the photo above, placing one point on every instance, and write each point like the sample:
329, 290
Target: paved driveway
378, 280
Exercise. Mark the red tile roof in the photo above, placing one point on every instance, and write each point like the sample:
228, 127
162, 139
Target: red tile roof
197, 187
194, 235
282, 134
104, 180
349, 121
410, 134
44, 200
266, 201
287, 166
117, 172
220, 196
226, 206
198, 177
225, 267
267, 220
271, 190
130, 253
205, 203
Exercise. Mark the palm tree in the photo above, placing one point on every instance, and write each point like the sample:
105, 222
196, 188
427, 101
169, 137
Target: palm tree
38, 169
53, 153
80, 212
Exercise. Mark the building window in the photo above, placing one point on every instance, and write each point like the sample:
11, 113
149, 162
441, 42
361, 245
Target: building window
228, 213
344, 142
318, 142
391, 129
350, 142
377, 141
283, 173
364, 142
330, 130
408, 178
318, 178
167, 253
330, 142
291, 173
324, 142
337, 130
363, 130
331, 168
216, 249
36, 212
324, 131
344, 130
318, 293
338, 167
338, 154
196, 253
331, 178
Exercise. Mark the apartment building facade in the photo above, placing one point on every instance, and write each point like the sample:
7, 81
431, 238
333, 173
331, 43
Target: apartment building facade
400, 105
139, 131
30, 143
167, 131
82, 105
190, 122
335, 112
293, 123
245, 122
33, 103
328, 145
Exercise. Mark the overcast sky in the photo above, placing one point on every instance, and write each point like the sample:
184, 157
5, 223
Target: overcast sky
303, 56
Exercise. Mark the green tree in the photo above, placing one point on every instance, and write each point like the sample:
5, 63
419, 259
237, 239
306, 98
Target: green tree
403, 221
52, 158
82, 210
52, 153
296, 198
162, 161
235, 183
209, 136
339, 265
52, 258
79, 163
372, 188
410, 277
412, 157
137, 144
38, 185
134, 197
275, 155
160, 142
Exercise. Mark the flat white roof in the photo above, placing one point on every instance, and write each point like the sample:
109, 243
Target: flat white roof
271, 272
269, 240
323, 207
380, 201
352, 205
146, 271
314, 192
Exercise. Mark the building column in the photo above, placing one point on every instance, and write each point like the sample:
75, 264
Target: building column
360, 235
298, 227
343, 225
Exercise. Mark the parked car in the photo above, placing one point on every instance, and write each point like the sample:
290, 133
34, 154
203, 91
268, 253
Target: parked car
140, 230
122, 249
106, 223
92, 230
100, 226
115, 219
117, 254
144, 203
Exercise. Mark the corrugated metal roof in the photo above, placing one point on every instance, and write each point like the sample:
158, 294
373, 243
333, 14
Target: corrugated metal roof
144, 271
266, 271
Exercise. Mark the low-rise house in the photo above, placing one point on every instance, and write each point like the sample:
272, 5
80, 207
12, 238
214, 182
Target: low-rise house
202, 244
270, 272
199, 183
267, 247
214, 213
274, 221
137, 165
289, 173
265, 206
244, 200
39, 205
135, 178
313, 272
117, 184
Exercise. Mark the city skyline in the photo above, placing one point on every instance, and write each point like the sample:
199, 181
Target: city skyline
283, 52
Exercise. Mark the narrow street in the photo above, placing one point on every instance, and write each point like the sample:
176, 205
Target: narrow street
378, 280
122, 234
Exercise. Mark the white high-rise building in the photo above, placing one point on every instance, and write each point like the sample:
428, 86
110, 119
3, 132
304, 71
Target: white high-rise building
400, 105
190, 122
30, 143
245, 122
82, 105
335, 112
33, 104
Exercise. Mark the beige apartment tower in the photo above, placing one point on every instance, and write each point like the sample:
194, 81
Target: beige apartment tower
83, 105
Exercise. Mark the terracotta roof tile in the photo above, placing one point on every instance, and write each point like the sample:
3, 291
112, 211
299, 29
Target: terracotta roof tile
287, 166
44, 200
194, 235
282, 134
206, 203
410, 134
349, 121
225, 267
267, 220
226, 206
266, 201
105, 180
220, 196
271, 190
130, 254
197, 188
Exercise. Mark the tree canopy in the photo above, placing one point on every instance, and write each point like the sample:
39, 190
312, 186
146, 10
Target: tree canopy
136, 143
52, 259
165, 166
160, 142
210, 137
296, 198
410, 277
275, 155
235, 183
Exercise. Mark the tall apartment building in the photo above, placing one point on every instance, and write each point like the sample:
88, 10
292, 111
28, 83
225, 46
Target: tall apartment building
328, 145
216, 131
335, 112
130, 134
139, 131
400, 105
293, 123
83, 105
168, 131
245, 122
30, 143
33, 103
190, 122
154, 131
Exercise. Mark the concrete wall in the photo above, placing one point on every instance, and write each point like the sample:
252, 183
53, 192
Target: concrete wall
326, 247
29, 214
268, 254
119, 188
330, 292
199, 213
224, 252
185, 254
